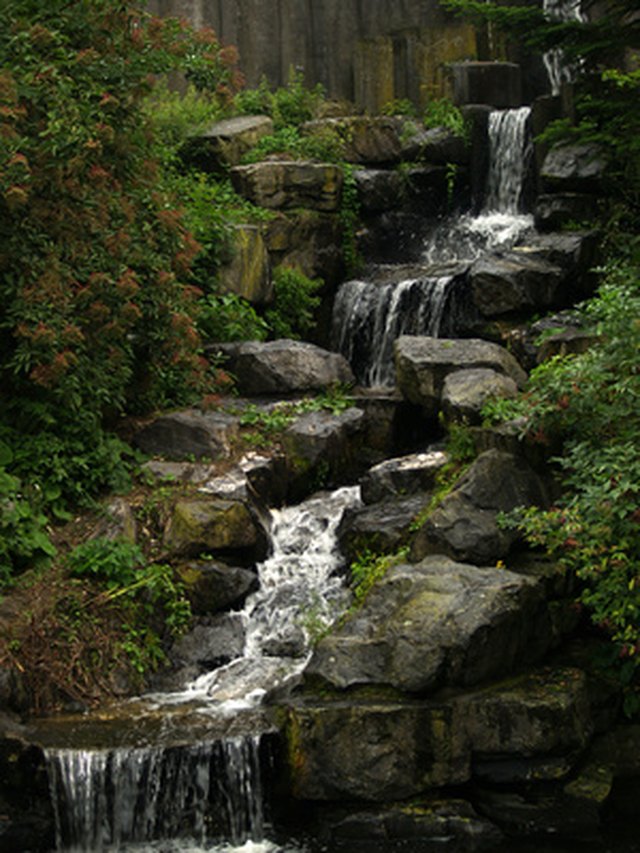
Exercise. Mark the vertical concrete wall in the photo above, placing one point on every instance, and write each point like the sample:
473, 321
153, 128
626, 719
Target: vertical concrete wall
364, 50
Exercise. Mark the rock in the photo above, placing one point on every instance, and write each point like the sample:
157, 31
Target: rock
212, 586
379, 189
323, 449
437, 145
380, 528
214, 526
422, 365
556, 210
178, 472
464, 525
530, 728
465, 392
404, 475
366, 139
373, 749
283, 367
434, 623
426, 826
307, 240
189, 433
248, 273
117, 522
566, 342
225, 143
210, 646
514, 282
285, 185
574, 169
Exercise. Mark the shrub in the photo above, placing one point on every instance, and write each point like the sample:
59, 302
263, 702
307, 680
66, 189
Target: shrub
289, 105
294, 304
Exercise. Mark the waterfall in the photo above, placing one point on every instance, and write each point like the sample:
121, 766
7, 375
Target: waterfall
106, 798
559, 70
368, 316
192, 790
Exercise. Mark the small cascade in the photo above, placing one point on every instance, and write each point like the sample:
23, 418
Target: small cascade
181, 786
558, 68
105, 799
368, 317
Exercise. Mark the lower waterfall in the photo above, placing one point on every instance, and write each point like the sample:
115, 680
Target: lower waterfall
187, 772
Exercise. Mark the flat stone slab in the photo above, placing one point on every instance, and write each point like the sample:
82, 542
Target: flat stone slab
514, 282
224, 143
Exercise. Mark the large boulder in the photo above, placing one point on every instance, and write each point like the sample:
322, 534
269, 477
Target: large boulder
534, 726
403, 475
465, 524
436, 623
215, 526
379, 189
286, 184
189, 433
555, 210
224, 143
284, 367
423, 363
437, 145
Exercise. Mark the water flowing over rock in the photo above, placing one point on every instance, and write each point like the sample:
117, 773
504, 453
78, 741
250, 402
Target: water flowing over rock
509, 153
558, 68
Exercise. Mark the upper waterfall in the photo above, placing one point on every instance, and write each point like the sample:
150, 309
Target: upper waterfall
558, 68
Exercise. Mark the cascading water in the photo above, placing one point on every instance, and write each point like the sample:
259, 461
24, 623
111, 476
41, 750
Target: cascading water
558, 68
368, 316
193, 795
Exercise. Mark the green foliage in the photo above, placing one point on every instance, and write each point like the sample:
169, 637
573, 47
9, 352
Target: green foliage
292, 314
289, 141
350, 219
23, 536
290, 105
443, 113
588, 406
228, 317
113, 562
369, 568
400, 107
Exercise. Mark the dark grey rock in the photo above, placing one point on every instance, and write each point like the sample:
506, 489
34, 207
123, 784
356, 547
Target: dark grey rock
367, 139
212, 645
437, 145
379, 528
466, 391
574, 168
433, 623
285, 366
465, 524
422, 365
513, 283
403, 475
212, 586
555, 210
189, 433
379, 189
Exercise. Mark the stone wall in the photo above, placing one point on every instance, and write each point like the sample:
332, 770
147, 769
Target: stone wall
368, 51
